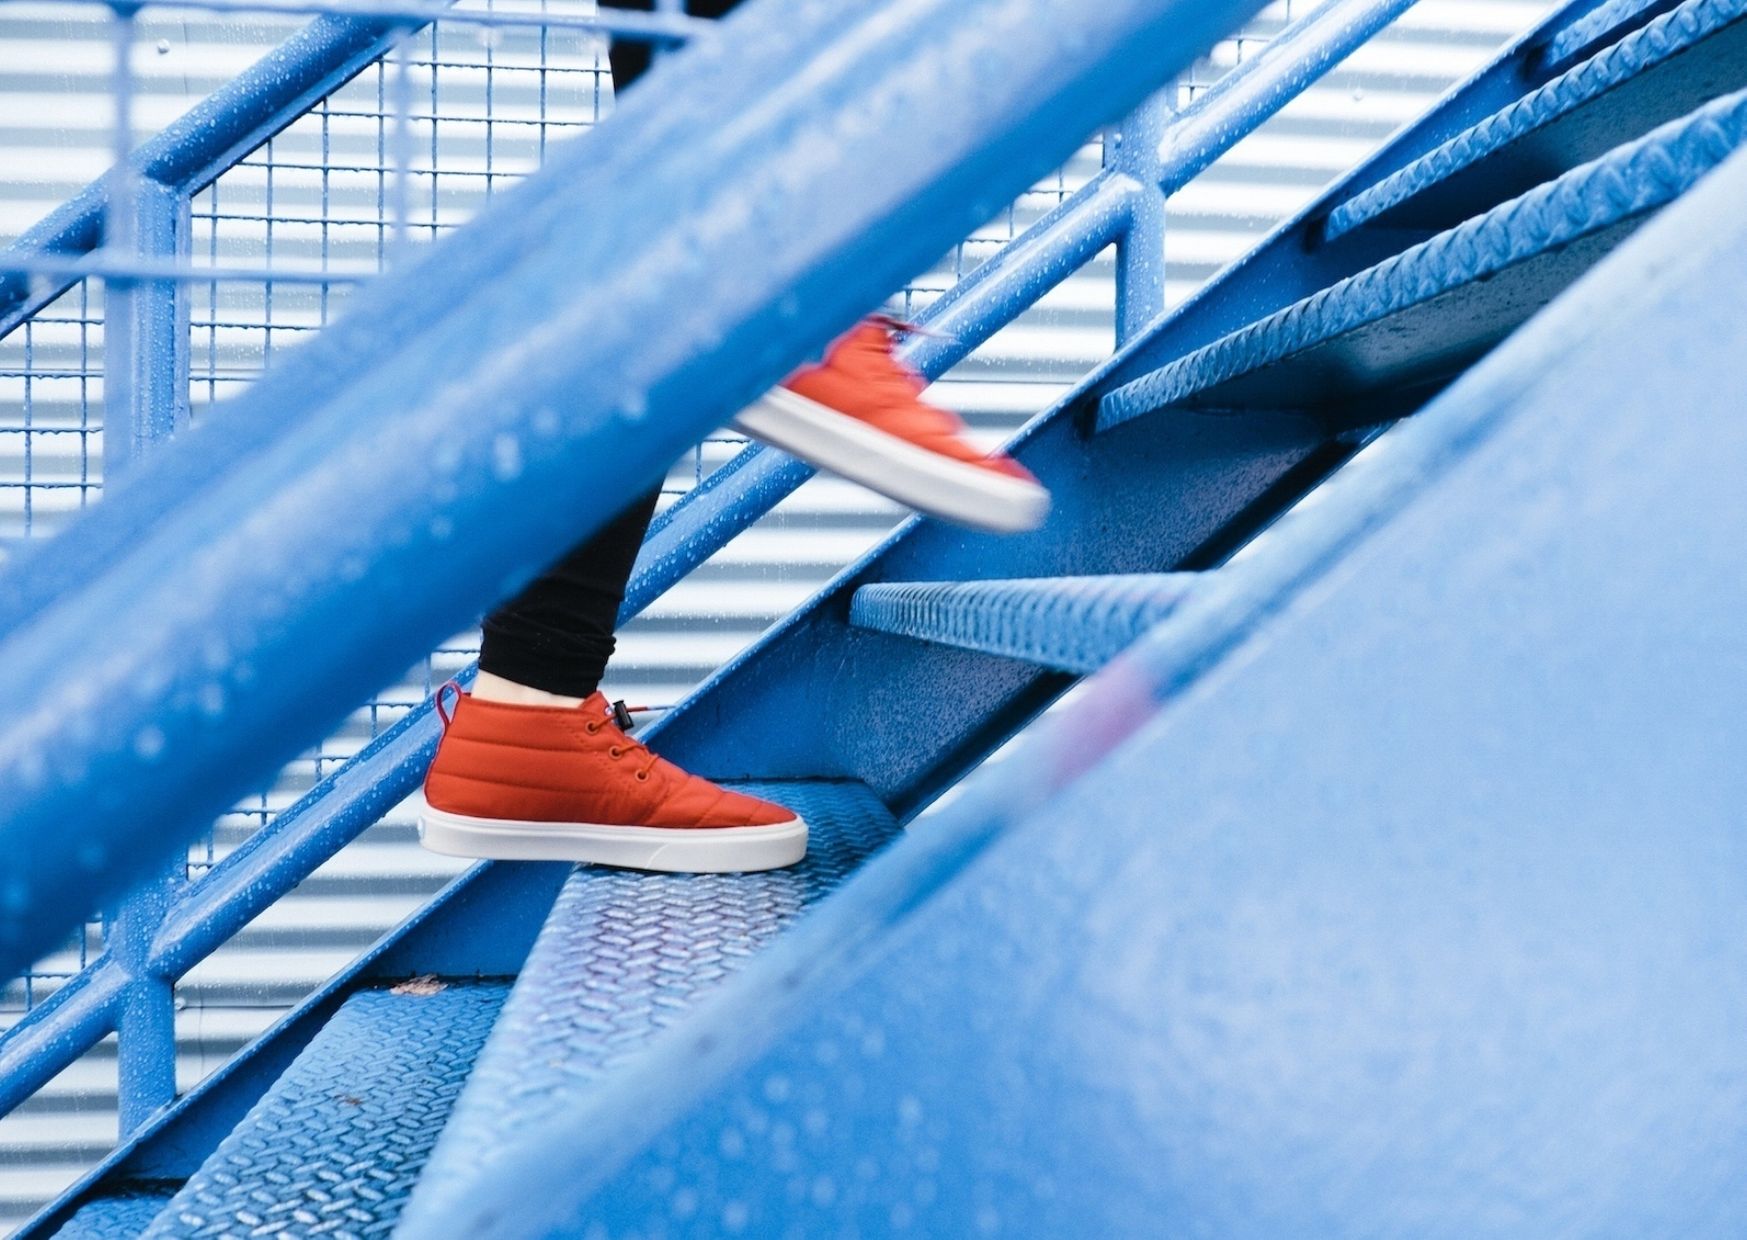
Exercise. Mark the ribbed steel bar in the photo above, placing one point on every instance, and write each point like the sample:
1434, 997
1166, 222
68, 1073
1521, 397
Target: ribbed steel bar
443, 465
1072, 624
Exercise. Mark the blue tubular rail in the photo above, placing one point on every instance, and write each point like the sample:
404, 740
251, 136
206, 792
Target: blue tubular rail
355, 796
583, 358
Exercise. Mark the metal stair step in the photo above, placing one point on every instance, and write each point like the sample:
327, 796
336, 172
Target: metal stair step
335, 1145
624, 955
1424, 314
120, 1217
1072, 624
1678, 62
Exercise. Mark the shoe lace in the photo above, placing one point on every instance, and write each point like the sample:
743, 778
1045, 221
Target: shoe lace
624, 745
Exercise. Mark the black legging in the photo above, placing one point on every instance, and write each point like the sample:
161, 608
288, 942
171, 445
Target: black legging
557, 635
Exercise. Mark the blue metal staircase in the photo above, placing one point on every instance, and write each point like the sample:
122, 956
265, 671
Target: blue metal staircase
1158, 969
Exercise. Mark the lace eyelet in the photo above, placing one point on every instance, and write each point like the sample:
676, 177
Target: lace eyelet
642, 777
591, 728
616, 752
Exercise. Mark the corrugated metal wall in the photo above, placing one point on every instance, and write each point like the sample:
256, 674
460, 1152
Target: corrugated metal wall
320, 195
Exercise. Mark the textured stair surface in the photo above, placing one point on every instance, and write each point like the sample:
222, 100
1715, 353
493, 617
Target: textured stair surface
1433, 308
1602, 24
1673, 65
1075, 624
120, 1217
622, 956
335, 1146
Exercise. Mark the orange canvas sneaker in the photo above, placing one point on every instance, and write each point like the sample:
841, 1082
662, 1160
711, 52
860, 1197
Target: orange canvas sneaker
549, 783
860, 415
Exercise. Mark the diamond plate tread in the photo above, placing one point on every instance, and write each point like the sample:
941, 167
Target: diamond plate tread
333, 1148
1630, 182
1073, 624
121, 1217
1656, 44
624, 955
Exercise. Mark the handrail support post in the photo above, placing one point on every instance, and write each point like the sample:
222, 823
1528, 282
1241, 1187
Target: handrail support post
1132, 149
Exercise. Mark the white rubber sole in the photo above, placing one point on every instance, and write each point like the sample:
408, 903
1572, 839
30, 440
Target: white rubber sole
915, 477
679, 850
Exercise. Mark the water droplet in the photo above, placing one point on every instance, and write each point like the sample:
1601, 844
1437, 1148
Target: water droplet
546, 421
442, 529
212, 700
776, 1088
148, 742
506, 458
634, 406
163, 47
735, 1216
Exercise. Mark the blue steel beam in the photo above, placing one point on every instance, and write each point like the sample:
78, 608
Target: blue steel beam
1371, 859
442, 467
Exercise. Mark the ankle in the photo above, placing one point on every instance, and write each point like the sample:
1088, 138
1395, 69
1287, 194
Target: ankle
489, 688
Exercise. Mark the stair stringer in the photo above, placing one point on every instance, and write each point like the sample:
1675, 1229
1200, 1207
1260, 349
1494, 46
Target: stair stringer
1399, 895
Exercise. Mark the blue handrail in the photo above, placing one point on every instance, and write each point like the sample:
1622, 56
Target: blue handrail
342, 805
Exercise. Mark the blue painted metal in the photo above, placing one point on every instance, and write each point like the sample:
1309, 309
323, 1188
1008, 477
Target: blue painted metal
482, 924
194, 150
543, 383
1393, 322
145, 400
683, 537
1132, 149
390, 768
622, 957
339, 1140
1263, 84
145, 1017
1602, 24
1370, 859
1072, 624
1662, 72
776, 472
213, 136
145, 331
1158, 497
122, 1217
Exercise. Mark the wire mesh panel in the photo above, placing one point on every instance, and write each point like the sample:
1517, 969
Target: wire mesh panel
51, 416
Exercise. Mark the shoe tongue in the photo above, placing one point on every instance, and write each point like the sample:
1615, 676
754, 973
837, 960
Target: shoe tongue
596, 704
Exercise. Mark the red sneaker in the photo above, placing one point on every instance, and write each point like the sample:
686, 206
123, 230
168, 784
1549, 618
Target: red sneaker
544, 783
860, 415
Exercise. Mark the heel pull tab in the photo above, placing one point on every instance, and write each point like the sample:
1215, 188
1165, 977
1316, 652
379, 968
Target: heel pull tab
448, 715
